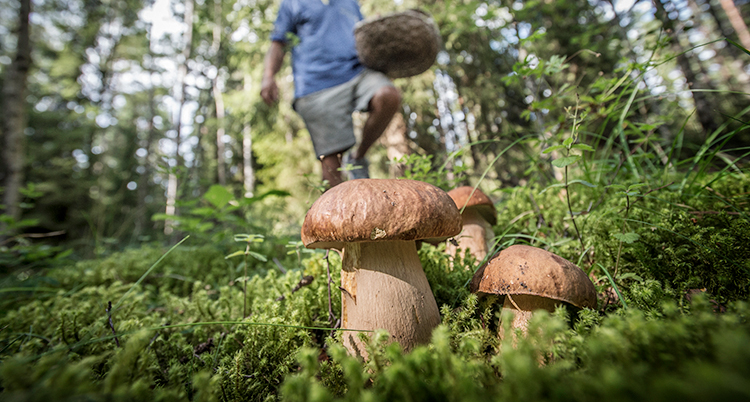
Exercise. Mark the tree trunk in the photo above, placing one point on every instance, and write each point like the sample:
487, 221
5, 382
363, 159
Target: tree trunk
737, 22
183, 70
220, 112
396, 145
142, 219
248, 172
218, 95
704, 109
14, 116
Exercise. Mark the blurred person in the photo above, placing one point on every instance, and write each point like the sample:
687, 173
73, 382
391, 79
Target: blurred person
330, 83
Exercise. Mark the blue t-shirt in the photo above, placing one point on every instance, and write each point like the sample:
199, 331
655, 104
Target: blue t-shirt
325, 55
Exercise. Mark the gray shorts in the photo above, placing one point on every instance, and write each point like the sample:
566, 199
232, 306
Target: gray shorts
328, 113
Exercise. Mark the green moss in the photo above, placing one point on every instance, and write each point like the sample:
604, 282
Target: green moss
626, 356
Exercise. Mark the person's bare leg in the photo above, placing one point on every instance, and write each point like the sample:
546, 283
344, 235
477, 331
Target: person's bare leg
331, 172
382, 107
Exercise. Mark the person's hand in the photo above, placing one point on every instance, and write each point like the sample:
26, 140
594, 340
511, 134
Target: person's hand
269, 91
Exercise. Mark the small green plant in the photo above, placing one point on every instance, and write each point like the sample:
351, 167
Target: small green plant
248, 239
568, 158
625, 236
298, 248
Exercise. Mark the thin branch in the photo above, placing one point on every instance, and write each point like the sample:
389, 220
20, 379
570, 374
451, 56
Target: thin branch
111, 325
331, 316
278, 265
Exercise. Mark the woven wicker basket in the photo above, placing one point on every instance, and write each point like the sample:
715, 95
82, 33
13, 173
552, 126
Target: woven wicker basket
400, 45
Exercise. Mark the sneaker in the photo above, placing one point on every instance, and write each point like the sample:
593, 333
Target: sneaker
355, 168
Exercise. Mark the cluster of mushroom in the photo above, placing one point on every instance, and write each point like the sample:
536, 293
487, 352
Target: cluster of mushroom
375, 223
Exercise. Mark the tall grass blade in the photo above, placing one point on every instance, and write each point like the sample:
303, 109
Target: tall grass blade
148, 271
614, 285
705, 149
737, 45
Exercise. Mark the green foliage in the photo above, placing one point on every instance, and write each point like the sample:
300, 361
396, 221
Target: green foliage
447, 275
218, 215
180, 344
161, 343
626, 356
420, 167
681, 242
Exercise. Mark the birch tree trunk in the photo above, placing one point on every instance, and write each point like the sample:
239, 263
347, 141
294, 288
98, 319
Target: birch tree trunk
248, 172
220, 150
740, 28
183, 70
218, 95
14, 116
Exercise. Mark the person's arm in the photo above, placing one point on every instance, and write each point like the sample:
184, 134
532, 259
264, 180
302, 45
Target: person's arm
269, 91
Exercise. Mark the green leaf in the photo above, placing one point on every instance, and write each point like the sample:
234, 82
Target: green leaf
627, 237
205, 211
257, 256
584, 182
553, 148
218, 196
250, 238
552, 186
583, 147
568, 141
235, 254
629, 275
251, 200
566, 161
161, 217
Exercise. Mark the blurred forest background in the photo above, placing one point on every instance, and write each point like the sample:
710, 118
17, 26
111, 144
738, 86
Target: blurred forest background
134, 121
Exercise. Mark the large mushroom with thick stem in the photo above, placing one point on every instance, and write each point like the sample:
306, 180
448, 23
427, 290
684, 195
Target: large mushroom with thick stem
532, 279
376, 222
479, 215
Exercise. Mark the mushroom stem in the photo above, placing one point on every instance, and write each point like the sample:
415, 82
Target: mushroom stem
476, 235
523, 307
384, 287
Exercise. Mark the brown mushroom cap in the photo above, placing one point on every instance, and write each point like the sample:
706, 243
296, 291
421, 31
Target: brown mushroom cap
526, 270
380, 209
470, 197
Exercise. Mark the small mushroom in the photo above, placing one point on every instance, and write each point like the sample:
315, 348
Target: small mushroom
478, 215
375, 222
532, 279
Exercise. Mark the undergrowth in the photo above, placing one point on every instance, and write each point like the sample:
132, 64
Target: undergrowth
680, 242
